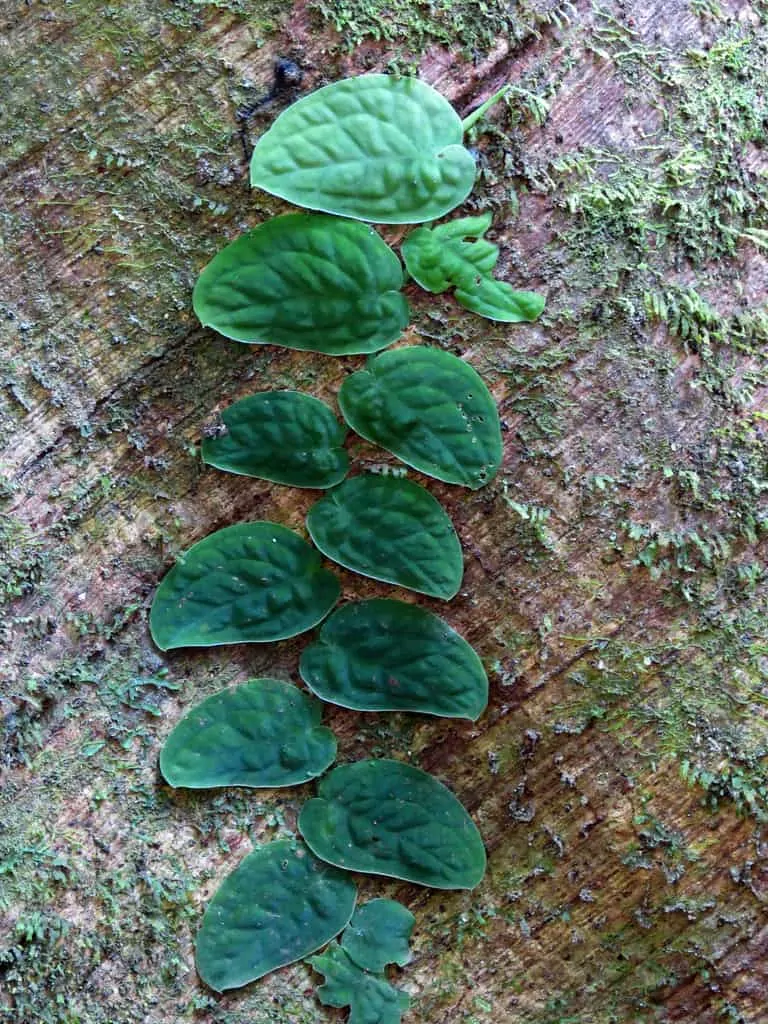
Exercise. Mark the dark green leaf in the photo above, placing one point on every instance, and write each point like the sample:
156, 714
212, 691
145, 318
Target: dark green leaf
264, 733
392, 530
388, 818
430, 409
375, 147
277, 906
370, 997
441, 258
384, 655
283, 436
244, 584
307, 282
379, 934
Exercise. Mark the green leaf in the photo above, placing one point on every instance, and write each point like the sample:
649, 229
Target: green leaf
248, 583
384, 655
392, 530
264, 733
370, 997
375, 148
441, 258
430, 409
388, 818
277, 906
283, 436
307, 282
379, 934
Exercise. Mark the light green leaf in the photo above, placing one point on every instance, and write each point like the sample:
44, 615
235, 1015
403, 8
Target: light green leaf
283, 436
277, 906
429, 408
305, 281
370, 997
379, 934
264, 733
441, 258
248, 583
375, 147
392, 530
384, 655
497, 300
388, 818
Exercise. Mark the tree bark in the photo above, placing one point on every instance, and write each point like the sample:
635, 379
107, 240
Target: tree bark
615, 572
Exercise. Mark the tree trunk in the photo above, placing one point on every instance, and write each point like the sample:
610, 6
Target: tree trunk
615, 573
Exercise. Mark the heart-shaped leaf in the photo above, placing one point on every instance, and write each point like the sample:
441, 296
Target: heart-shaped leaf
305, 281
384, 655
430, 409
277, 906
375, 148
379, 934
283, 436
370, 997
248, 583
441, 258
264, 733
388, 818
392, 530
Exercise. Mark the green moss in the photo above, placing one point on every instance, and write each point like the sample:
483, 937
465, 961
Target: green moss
22, 559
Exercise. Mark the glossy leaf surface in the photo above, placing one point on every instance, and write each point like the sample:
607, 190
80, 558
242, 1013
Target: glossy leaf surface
392, 530
264, 733
248, 583
388, 818
429, 408
375, 147
385, 655
277, 906
370, 997
305, 281
283, 436
442, 257
379, 934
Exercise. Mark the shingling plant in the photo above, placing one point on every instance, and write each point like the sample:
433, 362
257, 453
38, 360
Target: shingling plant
389, 150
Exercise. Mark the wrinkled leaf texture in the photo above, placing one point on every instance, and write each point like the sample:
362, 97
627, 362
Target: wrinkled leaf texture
386, 655
263, 733
392, 530
375, 147
370, 997
386, 818
249, 583
441, 258
279, 905
430, 409
305, 281
283, 436
379, 934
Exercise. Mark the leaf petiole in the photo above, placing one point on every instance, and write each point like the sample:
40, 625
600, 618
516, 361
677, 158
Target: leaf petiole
471, 119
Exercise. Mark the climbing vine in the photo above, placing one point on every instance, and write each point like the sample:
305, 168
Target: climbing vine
380, 149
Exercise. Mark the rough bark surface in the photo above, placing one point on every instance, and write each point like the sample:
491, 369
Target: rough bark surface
615, 581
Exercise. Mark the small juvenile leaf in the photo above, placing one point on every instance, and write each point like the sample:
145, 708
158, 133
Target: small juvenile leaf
392, 530
283, 436
375, 147
379, 934
430, 409
264, 733
248, 583
370, 997
277, 906
388, 818
308, 282
441, 258
385, 655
